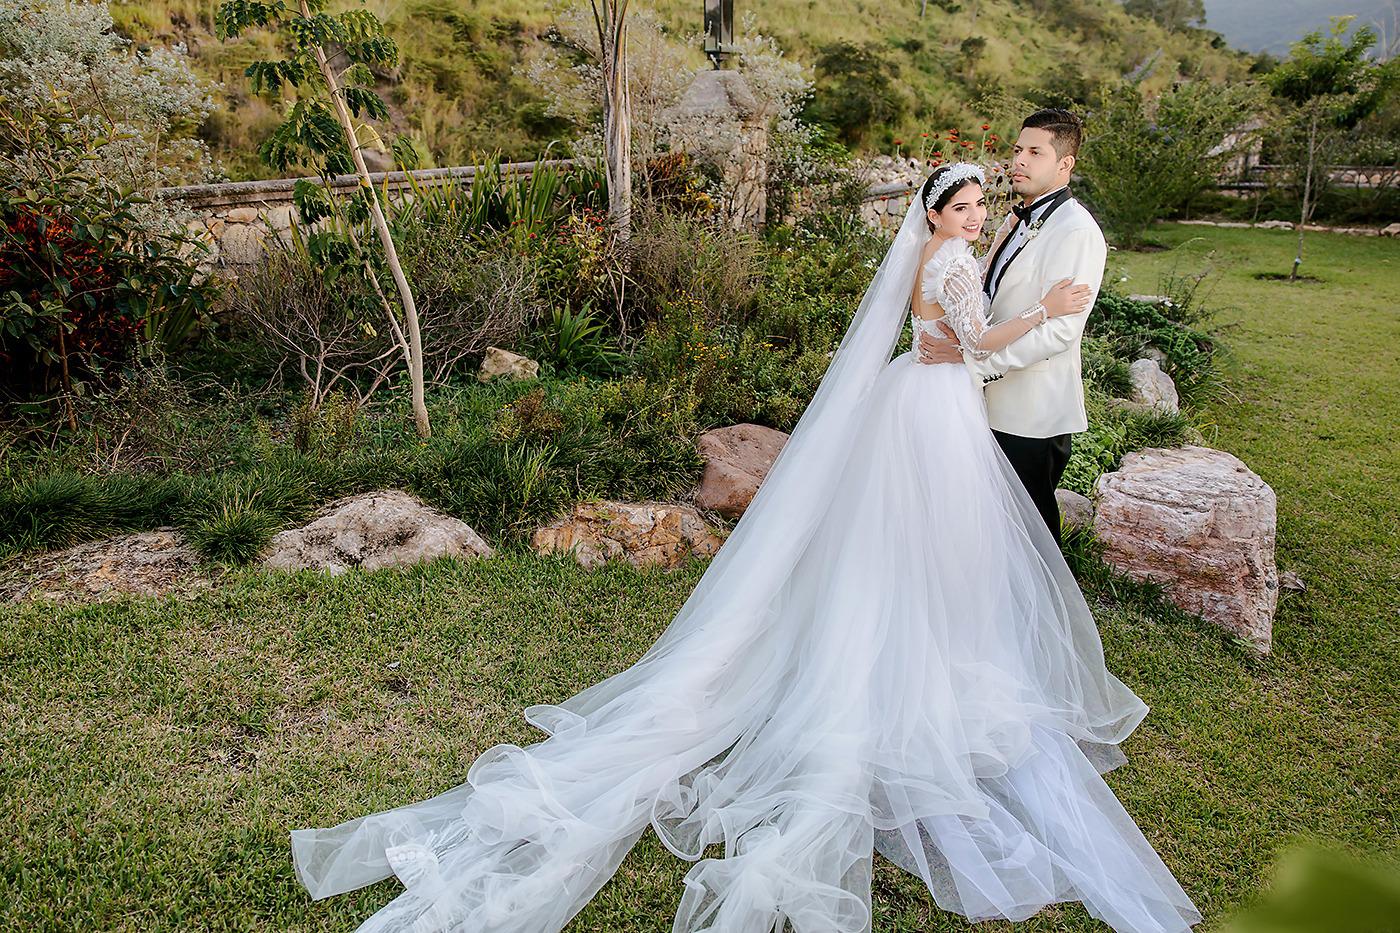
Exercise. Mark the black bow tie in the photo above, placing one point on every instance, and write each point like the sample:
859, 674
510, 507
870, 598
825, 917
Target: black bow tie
1024, 212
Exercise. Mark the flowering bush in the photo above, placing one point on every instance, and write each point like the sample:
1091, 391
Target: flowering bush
148, 104
82, 275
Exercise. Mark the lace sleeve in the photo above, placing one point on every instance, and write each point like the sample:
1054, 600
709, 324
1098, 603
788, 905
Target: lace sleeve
962, 303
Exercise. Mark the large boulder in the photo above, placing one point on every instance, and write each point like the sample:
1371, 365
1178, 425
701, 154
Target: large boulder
372, 531
146, 563
1202, 524
498, 362
1152, 387
642, 533
737, 458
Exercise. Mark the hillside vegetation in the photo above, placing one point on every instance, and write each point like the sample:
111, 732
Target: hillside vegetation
461, 87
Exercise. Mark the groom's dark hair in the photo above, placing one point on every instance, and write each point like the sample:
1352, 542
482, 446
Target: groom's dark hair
1066, 130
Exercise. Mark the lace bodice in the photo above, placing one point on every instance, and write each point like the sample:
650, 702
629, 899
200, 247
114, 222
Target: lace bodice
952, 278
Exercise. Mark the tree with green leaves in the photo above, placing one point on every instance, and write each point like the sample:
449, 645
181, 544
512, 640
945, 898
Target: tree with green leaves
1143, 158
854, 90
325, 127
1326, 86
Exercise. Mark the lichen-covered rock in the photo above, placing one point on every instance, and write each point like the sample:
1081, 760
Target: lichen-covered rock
146, 563
737, 458
642, 533
372, 531
498, 362
1202, 524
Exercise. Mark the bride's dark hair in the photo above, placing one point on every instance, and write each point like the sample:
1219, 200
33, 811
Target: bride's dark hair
943, 198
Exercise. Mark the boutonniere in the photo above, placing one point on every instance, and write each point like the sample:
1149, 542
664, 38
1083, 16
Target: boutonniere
1033, 230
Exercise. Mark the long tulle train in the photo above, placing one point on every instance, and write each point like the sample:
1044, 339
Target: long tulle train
926, 681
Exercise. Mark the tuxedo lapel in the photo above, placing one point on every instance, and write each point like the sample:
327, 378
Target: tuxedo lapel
996, 254
990, 286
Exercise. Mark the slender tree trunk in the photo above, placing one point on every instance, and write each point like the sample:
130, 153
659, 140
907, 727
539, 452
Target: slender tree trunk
386, 240
611, 22
1307, 194
67, 378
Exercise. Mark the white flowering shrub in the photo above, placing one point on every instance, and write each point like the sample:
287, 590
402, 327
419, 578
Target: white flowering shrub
568, 74
661, 67
148, 105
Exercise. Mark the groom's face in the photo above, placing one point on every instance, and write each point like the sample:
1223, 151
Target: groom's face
1035, 167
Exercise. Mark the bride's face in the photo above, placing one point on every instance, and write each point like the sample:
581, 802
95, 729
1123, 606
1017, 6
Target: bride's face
964, 214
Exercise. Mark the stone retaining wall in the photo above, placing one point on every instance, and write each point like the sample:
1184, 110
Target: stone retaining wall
236, 219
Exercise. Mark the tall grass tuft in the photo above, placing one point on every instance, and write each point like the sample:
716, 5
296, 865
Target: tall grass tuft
65, 507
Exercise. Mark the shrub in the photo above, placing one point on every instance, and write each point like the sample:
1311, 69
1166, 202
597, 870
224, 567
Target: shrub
1133, 326
83, 278
854, 90
717, 268
1144, 159
314, 318
146, 101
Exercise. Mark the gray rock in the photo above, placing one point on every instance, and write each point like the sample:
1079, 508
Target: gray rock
241, 244
145, 563
372, 531
1076, 511
1153, 387
498, 362
241, 215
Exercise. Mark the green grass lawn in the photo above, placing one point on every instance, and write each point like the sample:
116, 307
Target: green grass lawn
156, 752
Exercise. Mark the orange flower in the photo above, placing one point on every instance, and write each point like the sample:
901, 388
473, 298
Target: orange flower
986, 126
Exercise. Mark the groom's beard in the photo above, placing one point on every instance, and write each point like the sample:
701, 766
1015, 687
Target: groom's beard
1028, 190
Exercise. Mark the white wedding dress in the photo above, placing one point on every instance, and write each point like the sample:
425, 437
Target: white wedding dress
888, 654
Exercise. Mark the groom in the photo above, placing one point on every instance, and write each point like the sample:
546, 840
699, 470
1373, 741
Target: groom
1033, 387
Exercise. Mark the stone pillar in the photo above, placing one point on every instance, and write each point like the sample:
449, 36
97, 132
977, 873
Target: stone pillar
719, 121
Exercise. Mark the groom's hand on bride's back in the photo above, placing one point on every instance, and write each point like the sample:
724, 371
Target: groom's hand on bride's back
934, 350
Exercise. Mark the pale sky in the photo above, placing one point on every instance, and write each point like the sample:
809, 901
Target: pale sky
1273, 25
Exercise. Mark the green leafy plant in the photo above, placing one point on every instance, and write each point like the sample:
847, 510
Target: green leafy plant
577, 342
83, 278
324, 128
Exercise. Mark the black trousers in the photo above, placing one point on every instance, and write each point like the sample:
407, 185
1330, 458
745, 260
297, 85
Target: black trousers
1039, 462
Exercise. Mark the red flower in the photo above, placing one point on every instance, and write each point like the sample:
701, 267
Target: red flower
986, 126
925, 135
899, 142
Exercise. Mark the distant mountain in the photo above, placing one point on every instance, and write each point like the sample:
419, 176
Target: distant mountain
1273, 25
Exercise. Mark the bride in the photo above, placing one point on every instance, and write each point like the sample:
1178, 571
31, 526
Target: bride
888, 654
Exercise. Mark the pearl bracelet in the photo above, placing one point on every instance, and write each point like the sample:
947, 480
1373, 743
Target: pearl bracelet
1036, 309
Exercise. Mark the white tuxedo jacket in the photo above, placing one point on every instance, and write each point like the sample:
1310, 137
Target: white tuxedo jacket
1034, 386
